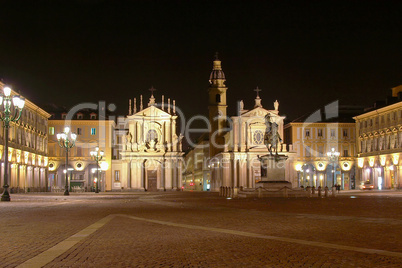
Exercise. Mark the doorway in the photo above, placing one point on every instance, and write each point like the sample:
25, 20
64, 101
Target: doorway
152, 181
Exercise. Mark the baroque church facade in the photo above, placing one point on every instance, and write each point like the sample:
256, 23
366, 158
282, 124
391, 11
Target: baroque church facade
151, 155
235, 143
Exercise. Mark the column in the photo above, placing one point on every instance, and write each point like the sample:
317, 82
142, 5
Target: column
235, 173
168, 172
124, 175
180, 177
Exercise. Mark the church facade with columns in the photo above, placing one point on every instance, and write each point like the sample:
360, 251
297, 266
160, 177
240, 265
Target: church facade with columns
150, 157
236, 143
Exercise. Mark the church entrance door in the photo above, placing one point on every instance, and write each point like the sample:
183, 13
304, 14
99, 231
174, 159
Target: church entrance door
152, 186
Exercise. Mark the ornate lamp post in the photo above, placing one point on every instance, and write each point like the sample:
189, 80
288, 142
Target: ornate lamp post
97, 155
333, 157
11, 112
67, 141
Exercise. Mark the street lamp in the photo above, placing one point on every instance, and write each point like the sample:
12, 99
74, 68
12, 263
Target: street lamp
67, 141
333, 157
97, 155
10, 112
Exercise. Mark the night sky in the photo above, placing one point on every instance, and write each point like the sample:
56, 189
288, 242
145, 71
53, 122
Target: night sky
304, 54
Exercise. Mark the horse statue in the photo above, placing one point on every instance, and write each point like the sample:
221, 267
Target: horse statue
271, 138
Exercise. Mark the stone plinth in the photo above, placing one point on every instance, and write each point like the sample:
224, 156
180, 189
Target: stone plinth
273, 167
273, 172
273, 184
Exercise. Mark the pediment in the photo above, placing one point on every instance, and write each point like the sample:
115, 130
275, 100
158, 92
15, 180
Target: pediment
258, 111
150, 111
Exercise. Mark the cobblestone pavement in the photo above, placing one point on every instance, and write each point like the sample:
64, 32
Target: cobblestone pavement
191, 229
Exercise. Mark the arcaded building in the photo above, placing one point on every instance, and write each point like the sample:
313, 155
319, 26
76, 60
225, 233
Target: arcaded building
379, 144
27, 151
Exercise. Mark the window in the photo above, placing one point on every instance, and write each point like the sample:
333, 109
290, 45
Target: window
51, 130
93, 131
93, 116
63, 116
258, 137
332, 132
79, 151
152, 135
345, 133
345, 153
218, 98
80, 116
307, 133
320, 151
79, 131
117, 175
308, 152
320, 132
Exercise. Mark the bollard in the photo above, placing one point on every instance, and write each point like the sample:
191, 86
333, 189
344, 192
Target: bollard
333, 191
226, 192
308, 191
231, 192
259, 192
285, 192
319, 191
235, 192
221, 191
326, 191
313, 190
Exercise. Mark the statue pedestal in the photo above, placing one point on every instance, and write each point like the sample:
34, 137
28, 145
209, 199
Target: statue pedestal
273, 172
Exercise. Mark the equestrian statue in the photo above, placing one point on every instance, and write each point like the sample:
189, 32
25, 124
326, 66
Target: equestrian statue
272, 139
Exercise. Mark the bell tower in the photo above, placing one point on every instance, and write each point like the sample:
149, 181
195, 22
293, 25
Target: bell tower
217, 108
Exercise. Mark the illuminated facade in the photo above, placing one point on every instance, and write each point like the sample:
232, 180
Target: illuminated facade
313, 142
196, 166
230, 157
151, 156
379, 144
91, 132
27, 151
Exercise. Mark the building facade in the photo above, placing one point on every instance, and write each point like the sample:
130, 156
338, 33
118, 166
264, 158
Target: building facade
379, 144
230, 157
196, 166
151, 156
27, 151
92, 132
312, 142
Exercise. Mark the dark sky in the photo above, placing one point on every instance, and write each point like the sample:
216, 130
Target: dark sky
305, 54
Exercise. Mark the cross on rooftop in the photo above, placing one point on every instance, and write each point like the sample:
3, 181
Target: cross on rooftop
152, 89
257, 90
216, 56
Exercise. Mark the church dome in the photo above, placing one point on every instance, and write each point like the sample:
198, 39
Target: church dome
217, 72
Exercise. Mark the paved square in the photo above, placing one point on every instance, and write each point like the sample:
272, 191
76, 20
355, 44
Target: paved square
186, 229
